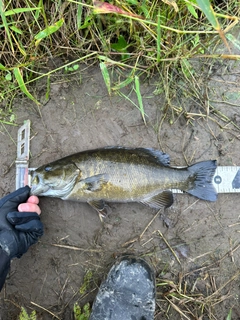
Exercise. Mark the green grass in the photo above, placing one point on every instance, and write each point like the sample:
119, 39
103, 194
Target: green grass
81, 313
25, 316
145, 38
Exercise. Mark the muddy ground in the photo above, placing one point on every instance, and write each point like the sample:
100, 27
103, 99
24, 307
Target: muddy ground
204, 236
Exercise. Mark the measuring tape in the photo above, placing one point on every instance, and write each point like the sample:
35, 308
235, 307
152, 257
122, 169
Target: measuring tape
225, 180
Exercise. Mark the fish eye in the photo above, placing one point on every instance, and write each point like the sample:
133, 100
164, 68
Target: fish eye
48, 168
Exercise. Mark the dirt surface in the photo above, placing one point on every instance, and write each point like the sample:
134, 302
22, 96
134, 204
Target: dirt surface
204, 236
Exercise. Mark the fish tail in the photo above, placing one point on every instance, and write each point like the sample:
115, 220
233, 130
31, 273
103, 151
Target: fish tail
202, 185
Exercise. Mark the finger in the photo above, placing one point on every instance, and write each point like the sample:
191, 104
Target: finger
33, 199
29, 207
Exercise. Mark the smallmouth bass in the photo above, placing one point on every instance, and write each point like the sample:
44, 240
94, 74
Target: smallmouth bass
120, 174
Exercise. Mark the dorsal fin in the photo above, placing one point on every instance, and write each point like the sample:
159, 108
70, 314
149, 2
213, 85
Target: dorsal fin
157, 156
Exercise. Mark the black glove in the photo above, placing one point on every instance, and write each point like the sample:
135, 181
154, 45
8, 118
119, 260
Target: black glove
18, 230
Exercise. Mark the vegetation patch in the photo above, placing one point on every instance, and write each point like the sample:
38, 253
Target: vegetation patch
134, 39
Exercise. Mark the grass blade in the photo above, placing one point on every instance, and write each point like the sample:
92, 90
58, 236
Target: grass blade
15, 29
20, 10
234, 41
2, 67
106, 76
192, 10
209, 13
128, 99
139, 96
229, 316
22, 86
4, 20
158, 37
211, 16
123, 84
79, 15
48, 31
19, 45
47, 95
37, 13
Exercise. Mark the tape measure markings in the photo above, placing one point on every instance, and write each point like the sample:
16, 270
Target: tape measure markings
227, 179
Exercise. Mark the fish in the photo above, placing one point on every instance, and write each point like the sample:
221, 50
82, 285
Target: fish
122, 174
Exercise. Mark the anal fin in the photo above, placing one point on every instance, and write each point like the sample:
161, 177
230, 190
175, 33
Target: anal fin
101, 207
160, 200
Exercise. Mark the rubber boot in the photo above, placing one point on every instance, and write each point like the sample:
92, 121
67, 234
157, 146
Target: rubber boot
128, 293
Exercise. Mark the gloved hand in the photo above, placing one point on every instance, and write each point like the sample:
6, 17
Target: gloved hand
18, 230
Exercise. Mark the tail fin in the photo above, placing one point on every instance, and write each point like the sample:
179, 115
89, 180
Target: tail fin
202, 173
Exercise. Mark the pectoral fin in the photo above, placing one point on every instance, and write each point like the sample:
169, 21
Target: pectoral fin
163, 199
95, 183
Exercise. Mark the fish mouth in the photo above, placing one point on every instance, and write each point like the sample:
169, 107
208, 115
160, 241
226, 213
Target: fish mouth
39, 189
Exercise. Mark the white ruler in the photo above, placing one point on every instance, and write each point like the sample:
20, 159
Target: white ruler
225, 180
23, 146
